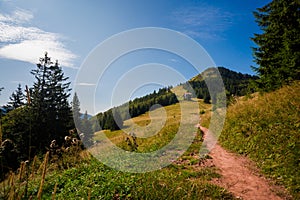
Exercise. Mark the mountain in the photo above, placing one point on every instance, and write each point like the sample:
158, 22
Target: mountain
235, 83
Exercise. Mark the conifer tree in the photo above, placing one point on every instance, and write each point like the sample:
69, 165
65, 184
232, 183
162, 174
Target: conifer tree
76, 110
50, 107
86, 129
277, 52
17, 98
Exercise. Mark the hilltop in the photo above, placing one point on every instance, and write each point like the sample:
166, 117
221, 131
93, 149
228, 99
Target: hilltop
263, 127
235, 83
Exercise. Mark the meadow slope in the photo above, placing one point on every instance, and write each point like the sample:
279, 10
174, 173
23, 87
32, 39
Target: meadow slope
266, 128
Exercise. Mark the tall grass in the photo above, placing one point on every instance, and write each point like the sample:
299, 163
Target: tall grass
39, 195
30, 179
83, 177
96, 181
267, 129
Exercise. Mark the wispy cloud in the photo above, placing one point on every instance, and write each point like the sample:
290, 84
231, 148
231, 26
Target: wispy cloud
204, 21
18, 16
86, 84
19, 41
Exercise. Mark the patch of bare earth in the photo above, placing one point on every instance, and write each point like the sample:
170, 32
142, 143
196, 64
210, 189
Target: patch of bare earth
239, 175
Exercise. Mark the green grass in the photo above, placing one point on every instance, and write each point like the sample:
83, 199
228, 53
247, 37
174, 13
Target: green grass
92, 178
105, 183
266, 128
183, 179
162, 124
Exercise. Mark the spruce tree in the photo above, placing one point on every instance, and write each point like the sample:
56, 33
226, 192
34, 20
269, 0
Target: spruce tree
277, 52
50, 108
86, 129
76, 110
17, 98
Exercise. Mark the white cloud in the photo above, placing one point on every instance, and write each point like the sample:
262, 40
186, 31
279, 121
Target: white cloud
20, 42
205, 22
18, 16
86, 84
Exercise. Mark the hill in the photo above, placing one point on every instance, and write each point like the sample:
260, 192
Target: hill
263, 127
235, 83
266, 129
77, 175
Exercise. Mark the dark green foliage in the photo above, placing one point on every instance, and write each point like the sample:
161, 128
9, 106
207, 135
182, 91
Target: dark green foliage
76, 110
48, 117
86, 130
131, 141
50, 109
110, 119
83, 125
163, 97
236, 84
8, 154
277, 52
17, 98
206, 98
113, 118
16, 128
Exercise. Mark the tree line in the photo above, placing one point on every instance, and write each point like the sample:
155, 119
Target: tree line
38, 117
235, 84
44, 114
114, 117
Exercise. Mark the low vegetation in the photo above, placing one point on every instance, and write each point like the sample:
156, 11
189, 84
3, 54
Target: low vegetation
266, 128
86, 177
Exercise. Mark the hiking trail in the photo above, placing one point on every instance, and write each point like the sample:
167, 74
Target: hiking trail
239, 174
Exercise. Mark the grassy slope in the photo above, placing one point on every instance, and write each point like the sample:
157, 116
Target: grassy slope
181, 180
266, 128
177, 181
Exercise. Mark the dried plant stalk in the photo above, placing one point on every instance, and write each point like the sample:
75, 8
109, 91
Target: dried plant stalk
22, 166
11, 183
54, 192
33, 167
39, 195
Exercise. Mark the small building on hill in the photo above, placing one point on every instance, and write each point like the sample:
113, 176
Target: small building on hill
187, 96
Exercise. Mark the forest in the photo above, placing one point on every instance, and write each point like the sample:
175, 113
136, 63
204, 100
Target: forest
43, 121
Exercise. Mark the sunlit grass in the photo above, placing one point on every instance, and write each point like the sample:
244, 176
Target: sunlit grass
266, 128
89, 178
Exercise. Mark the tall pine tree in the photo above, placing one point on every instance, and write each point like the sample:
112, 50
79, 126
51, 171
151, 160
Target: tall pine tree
49, 102
277, 52
17, 98
76, 110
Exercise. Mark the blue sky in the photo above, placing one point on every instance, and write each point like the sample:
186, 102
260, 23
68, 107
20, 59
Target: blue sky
70, 30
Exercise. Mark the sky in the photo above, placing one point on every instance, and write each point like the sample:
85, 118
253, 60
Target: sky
70, 31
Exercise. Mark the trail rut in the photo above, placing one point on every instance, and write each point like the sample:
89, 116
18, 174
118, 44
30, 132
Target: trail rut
238, 174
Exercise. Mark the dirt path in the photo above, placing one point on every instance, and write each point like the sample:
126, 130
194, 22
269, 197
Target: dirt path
238, 174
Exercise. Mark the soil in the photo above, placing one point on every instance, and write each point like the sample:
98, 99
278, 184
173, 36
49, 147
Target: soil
239, 175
